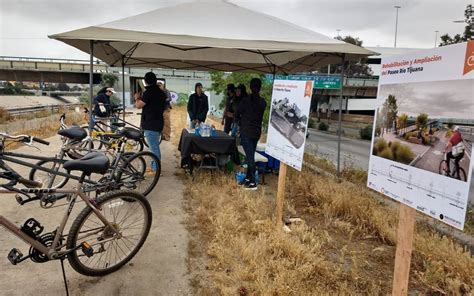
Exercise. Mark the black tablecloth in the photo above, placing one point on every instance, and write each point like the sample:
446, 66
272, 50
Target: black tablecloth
222, 143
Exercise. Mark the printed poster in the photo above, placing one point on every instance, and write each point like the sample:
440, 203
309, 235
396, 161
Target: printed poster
423, 131
288, 123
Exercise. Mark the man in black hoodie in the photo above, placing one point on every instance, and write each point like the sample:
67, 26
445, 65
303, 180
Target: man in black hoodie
197, 106
249, 114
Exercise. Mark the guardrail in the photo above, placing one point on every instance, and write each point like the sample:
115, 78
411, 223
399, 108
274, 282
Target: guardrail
52, 108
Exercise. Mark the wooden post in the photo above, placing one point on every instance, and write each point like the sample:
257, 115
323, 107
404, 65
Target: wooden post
406, 226
281, 194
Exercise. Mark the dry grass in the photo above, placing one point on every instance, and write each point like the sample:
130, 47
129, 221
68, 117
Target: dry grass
346, 244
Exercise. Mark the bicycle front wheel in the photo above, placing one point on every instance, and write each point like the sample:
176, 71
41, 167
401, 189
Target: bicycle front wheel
442, 167
110, 250
140, 172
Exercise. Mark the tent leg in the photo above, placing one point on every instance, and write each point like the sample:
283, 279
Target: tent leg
91, 83
123, 86
339, 129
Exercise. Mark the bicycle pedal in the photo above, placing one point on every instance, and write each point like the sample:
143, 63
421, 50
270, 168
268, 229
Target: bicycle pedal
15, 256
19, 199
87, 249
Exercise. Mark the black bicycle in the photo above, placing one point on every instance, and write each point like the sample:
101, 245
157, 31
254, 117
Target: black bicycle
456, 171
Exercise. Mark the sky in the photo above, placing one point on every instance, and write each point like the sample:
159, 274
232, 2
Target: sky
426, 97
25, 24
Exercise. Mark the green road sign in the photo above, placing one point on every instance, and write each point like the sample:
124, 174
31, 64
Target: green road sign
320, 81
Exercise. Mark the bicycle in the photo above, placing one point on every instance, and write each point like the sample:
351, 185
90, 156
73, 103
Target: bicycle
106, 234
456, 172
127, 169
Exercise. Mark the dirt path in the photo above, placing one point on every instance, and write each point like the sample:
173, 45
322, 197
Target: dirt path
158, 269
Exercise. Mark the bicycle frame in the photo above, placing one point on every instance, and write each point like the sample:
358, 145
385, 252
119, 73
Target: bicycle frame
54, 251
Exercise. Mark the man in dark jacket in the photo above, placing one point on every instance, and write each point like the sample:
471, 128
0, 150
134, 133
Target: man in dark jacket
152, 103
249, 114
198, 106
228, 118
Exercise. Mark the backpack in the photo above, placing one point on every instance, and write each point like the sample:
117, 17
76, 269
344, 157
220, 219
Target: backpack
458, 149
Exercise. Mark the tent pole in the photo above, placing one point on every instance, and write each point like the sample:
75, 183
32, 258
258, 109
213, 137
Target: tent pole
339, 130
91, 82
123, 86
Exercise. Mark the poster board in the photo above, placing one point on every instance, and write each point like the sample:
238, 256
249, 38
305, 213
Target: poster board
407, 152
288, 122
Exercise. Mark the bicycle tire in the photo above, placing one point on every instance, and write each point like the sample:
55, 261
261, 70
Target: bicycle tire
462, 175
132, 174
33, 176
442, 164
117, 197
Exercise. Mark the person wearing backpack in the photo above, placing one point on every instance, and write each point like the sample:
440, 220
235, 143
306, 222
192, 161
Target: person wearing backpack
455, 148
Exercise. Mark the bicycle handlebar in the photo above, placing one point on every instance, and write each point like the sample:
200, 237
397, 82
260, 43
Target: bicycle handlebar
25, 139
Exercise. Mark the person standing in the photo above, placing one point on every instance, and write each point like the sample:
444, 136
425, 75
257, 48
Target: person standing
250, 114
166, 115
198, 106
240, 94
228, 117
152, 103
101, 102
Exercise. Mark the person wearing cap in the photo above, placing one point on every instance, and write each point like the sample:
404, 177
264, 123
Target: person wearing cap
454, 149
249, 114
101, 102
166, 135
228, 117
152, 103
198, 106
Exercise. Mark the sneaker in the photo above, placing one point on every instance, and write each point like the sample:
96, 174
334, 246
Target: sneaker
244, 182
251, 186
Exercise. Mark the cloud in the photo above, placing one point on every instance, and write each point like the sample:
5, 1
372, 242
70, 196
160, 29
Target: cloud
439, 99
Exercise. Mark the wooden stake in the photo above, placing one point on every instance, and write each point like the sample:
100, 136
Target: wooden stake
406, 226
281, 194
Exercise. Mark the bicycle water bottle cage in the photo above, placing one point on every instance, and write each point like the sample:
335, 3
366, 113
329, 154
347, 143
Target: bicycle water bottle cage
32, 228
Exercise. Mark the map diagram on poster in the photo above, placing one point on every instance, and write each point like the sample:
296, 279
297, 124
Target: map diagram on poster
288, 121
423, 131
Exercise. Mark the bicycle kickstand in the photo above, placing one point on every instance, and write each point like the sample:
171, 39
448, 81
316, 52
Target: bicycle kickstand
64, 277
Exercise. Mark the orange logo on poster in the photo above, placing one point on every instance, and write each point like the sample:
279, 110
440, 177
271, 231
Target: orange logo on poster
469, 60
308, 90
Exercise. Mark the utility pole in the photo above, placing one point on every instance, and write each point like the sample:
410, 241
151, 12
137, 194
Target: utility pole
397, 7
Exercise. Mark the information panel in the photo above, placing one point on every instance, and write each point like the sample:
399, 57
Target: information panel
287, 128
423, 131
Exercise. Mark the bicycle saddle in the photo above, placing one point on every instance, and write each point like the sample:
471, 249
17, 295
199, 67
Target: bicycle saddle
94, 162
74, 133
131, 133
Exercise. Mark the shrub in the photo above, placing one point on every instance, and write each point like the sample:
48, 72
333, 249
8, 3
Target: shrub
311, 123
404, 154
386, 153
323, 126
395, 147
380, 145
449, 133
366, 132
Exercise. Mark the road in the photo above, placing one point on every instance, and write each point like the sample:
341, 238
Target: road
353, 152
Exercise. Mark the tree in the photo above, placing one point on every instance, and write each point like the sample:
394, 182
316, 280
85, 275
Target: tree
402, 121
353, 68
108, 79
468, 33
421, 121
390, 111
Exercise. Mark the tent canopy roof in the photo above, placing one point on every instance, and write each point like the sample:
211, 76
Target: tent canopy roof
211, 36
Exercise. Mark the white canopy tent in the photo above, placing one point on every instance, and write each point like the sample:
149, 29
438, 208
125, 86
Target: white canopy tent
205, 35
211, 36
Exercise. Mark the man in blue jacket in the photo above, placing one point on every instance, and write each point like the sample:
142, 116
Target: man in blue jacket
198, 106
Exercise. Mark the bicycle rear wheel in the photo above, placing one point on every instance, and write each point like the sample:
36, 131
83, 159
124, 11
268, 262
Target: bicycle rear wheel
140, 172
110, 250
462, 175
